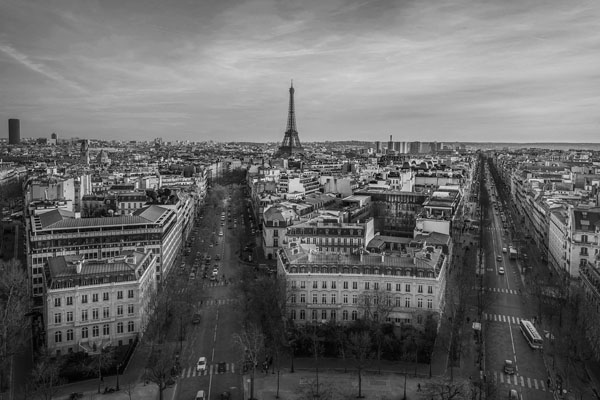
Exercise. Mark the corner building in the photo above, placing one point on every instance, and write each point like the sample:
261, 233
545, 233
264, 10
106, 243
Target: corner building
97, 303
329, 287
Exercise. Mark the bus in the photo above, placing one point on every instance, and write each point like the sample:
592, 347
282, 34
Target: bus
531, 334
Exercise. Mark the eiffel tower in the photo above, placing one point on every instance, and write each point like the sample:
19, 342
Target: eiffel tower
291, 143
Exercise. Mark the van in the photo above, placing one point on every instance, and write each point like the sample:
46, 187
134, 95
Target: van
200, 395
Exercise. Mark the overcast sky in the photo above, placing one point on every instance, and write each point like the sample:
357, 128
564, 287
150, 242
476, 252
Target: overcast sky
456, 70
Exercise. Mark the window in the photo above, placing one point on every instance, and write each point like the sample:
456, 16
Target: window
70, 300
315, 285
367, 285
429, 304
324, 299
120, 327
130, 326
84, 315
293, 298
57, 318
419, 319
584, 238
420, 302
69, 335
376, 285
69, 316
130, 309
398, 287
302, 315
315, 300
105, 296
313, 315
119, 310
333, 298
95, 297
333, 315
430, 289
57, 302
120, 295
95, 313
333, 285
584, 251
105, 329
130, 294
84, 332
354, 315
354, 299
354, 285
293, 284
58, 337
345, 298
84, 298
95, 331
345, 315
407, 302
420, 289
302, 298
345, 285
302, 285
293, 314
323, 314
407, 288
398, 301
388, 287
106, 312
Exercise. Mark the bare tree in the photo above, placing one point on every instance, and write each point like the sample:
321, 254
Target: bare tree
45, 377
251, 342
359, 346
158, 370
443, 389
14, 306
376, 306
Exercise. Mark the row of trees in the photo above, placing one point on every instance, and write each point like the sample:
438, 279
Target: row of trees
269, 335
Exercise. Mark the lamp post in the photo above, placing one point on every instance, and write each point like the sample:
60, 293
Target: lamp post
404, 396
118, 368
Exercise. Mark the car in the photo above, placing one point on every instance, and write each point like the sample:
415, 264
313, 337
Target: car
196, 319
192, 275
221, 367
513, 394
501, 270
225, 396
499, 258
217, 257
504, 250
220, 233
509, 367
200, 395
201, 365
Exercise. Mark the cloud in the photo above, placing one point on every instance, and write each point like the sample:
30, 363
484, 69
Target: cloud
41, 69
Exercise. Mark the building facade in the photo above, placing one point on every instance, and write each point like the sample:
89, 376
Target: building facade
97, 303
335, 287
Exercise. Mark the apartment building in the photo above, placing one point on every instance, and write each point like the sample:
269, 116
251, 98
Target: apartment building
276, 220
96, 303
57, 232
335, 287
302, 184
583, 238
332, 235
590, 282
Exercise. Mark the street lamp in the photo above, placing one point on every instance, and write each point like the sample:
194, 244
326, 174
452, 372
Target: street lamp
118, 368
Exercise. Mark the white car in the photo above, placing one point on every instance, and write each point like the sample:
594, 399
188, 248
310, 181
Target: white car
504, 250
501, 270
201, 366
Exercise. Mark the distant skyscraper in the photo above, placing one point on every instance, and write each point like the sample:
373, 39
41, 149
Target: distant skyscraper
14, 131
291, 142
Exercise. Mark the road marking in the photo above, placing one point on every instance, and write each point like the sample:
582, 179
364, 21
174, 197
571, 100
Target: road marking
522, 381
528, 382
501, 378
543, 385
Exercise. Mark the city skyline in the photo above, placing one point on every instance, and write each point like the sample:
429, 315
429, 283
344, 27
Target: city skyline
363, 70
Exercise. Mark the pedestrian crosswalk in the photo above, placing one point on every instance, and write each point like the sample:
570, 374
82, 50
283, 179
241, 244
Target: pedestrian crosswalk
519, 380
213, 284
502, 318
215, 302
212, 369
498, 290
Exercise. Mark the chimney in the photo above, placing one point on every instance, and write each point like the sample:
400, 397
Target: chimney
80, 265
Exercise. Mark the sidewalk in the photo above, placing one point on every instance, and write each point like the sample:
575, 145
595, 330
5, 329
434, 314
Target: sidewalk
332, 378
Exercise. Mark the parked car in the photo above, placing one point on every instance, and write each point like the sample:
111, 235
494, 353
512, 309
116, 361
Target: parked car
196, 319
